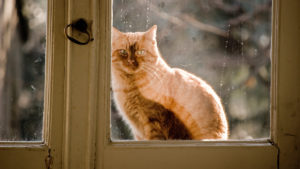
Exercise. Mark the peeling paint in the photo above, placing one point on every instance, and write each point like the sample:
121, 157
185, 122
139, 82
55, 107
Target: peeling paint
49, 160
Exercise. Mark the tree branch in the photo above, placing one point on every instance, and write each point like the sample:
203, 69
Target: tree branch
188, 19
248, 16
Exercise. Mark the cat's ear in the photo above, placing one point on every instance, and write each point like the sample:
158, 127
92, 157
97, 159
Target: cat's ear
115, 33
151, 33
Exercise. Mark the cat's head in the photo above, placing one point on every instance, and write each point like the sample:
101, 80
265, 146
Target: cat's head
132, 50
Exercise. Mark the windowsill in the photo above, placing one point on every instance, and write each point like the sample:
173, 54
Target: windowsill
191, 143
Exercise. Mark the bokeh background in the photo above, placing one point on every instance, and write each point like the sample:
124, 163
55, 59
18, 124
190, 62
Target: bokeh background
225, 42
22, 60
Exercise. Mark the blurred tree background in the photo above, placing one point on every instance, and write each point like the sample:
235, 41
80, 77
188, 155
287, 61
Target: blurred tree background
225, 42
22, 60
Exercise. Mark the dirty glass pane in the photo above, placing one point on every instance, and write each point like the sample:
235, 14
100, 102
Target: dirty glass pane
224, 42
22, 60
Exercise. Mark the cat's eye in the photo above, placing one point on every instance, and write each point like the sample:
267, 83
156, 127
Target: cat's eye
123, 53
141, 52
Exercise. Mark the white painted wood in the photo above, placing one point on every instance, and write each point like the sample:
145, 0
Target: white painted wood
23, 157
191, 157
274, 69
54, 111
103, 115
287, 126
81, 92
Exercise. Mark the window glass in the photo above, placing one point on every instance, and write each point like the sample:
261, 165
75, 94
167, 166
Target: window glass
224, 42
22, 60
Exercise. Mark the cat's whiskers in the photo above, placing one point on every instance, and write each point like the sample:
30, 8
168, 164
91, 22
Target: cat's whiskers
153, 76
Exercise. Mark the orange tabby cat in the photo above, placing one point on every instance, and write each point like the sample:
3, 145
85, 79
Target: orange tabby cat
157, 101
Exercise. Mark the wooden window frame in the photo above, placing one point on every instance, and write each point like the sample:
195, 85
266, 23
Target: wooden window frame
77, 105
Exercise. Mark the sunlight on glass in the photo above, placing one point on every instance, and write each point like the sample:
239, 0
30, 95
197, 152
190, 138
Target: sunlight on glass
225, 43
22, 60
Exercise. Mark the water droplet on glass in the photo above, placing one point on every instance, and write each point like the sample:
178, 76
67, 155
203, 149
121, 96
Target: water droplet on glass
38, 60
32, 87
148, 3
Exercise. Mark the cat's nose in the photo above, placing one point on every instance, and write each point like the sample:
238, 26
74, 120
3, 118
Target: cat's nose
132, 62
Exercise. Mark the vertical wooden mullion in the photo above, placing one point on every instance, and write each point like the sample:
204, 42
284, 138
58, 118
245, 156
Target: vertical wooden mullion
80, 93
55, 81
287, 117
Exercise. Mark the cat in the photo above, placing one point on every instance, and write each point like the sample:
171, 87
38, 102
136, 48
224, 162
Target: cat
159, 102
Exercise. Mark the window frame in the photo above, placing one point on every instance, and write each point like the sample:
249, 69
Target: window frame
180, 154
40, 154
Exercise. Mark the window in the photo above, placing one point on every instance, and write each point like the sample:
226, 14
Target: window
225, 43
77, 105
126, 154
22, 85
33, 153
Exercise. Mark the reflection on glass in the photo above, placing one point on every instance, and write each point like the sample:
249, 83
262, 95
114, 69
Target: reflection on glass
22, 60
226, 43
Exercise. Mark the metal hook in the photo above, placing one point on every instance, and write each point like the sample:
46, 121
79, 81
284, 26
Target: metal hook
81, 26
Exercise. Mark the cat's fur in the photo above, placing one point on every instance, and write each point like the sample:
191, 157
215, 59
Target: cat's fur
157, 101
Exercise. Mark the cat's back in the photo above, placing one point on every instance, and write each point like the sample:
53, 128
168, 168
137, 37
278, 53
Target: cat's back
192, 87
200, 101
